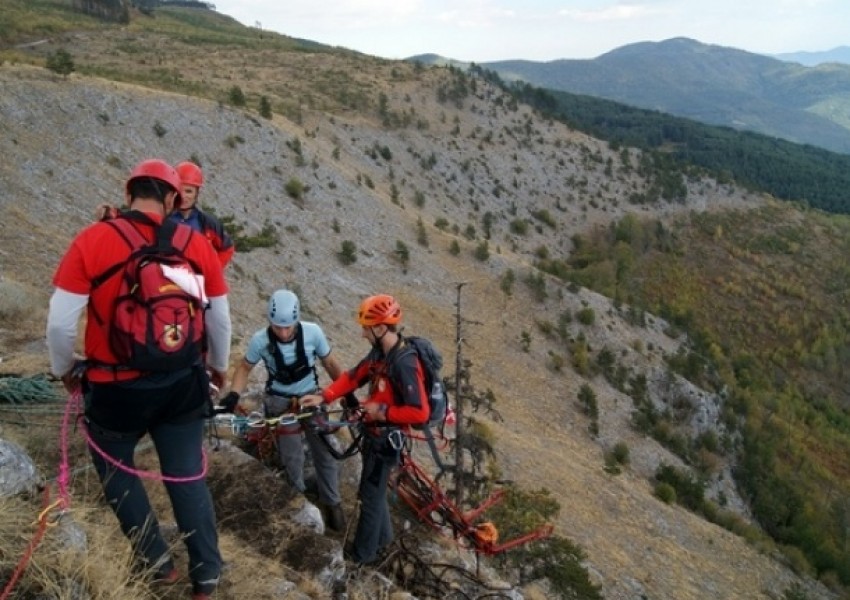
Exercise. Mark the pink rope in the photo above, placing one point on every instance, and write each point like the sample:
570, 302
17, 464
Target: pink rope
152, 475
63, 478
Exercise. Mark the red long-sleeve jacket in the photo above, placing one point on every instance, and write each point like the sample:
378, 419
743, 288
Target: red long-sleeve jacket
395, 380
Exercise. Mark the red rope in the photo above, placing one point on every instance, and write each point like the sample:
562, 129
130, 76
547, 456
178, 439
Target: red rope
34, 542
63, 480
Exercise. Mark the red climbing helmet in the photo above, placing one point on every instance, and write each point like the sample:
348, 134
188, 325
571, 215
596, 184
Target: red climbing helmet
190, 174
155, 168
379, 310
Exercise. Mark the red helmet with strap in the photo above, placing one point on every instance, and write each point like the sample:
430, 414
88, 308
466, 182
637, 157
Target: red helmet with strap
155, 168
190, 174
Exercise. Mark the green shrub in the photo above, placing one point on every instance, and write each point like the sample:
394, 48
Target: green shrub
519, 226
586, 316
232, 141
265, 239
348, 254
587, 399
525, 341
60, 62
265, 107
402, 253
421, 233
689, 491
621, 453
236, 96
294, 188
544, 217
506, 282
665, 492
537, 285
557, 361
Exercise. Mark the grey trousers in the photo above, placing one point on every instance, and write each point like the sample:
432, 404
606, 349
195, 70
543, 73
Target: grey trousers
290, 449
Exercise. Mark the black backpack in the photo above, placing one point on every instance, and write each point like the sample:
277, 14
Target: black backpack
432, 362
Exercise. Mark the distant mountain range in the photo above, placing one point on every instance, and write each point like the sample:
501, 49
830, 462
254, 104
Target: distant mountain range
812, 59
707, 83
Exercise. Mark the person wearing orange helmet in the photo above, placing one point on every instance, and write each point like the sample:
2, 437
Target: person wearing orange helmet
188, 213
397, 398
123, 402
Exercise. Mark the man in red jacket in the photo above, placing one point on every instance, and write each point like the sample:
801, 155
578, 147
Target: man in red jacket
192, 178
122, 403
396, 399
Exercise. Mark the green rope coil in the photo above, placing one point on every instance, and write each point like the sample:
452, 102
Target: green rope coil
28, 390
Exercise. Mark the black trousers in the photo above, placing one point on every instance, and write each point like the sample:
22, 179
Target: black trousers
119, 415
374, 528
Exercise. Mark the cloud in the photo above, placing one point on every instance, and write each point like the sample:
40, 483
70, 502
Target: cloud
482, 16
621, 12
330, 15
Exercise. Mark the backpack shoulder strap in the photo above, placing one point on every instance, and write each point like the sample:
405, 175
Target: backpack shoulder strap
134, 240
300, 352
176, 234
274, 350
403, 350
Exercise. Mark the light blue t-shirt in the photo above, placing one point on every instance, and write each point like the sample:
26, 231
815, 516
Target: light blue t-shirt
315, 346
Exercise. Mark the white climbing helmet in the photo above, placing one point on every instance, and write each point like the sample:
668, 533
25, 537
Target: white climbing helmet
284, 309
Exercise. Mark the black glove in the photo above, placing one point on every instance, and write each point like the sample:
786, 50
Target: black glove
350, 401
228, 403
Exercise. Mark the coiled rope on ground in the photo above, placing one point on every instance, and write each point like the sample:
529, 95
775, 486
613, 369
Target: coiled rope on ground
37, 389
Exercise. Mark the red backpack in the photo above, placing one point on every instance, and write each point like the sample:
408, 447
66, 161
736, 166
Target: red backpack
155, 325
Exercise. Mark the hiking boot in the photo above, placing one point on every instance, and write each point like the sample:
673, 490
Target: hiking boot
336, 517
166, 577
204, 590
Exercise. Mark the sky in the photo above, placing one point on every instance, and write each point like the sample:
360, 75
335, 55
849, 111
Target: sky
540, 30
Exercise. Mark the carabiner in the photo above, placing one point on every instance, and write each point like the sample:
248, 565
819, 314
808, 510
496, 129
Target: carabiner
396, 439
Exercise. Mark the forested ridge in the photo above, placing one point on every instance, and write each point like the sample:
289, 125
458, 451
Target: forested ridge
765, 304
801, 173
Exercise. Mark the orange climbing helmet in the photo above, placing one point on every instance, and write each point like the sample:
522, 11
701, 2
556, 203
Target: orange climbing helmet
154, 168
190, 174
379, 310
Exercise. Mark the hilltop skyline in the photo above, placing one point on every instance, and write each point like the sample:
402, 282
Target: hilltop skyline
542, 30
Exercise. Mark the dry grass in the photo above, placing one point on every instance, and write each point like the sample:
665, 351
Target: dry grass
60, 567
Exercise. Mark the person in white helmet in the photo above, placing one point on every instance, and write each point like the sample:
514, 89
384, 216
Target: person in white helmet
289, 349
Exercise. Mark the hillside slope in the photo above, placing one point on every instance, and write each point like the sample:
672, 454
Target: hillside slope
71, 150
